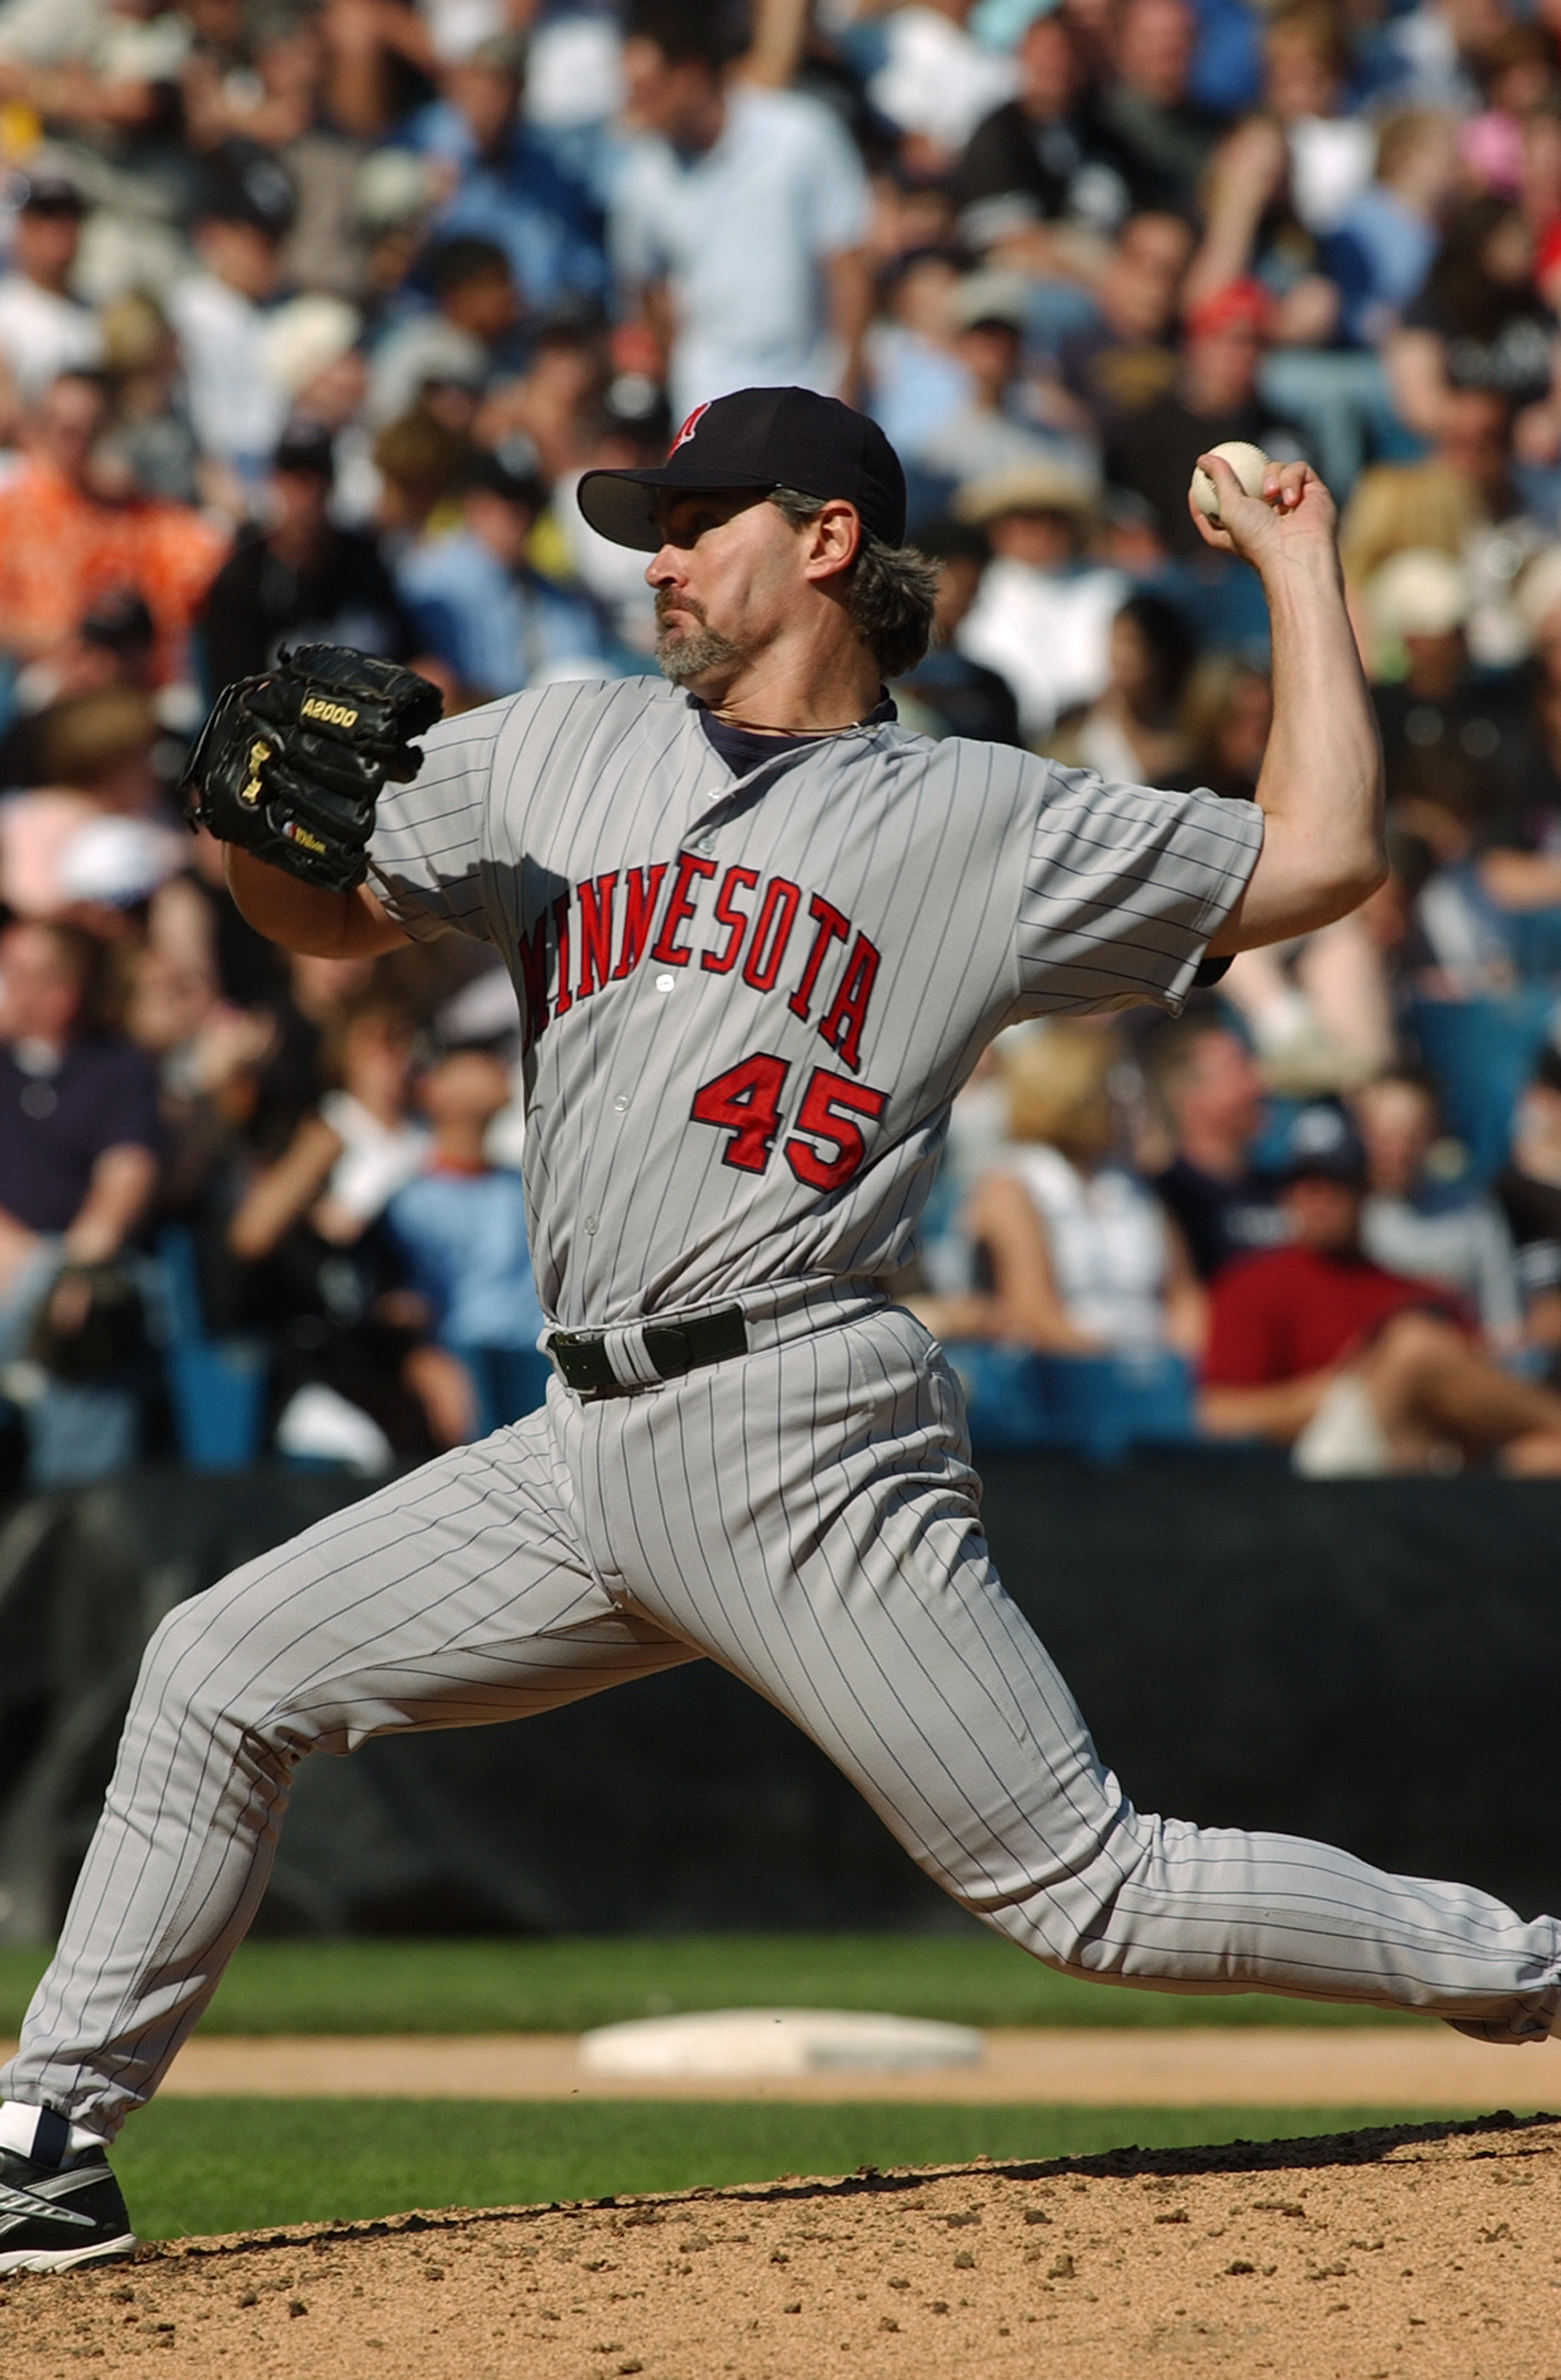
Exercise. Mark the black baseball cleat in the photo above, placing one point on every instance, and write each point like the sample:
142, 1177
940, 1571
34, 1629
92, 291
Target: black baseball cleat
56, 2218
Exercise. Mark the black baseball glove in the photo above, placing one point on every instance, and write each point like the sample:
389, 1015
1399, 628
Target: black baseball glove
290, 764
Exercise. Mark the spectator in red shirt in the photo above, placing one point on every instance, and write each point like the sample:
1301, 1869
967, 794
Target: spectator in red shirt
1358, 1371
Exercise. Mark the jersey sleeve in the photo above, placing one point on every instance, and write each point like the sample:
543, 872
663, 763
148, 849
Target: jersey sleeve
430, 841
1123, 887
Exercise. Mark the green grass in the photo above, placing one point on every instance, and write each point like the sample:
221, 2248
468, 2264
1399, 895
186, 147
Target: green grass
193, 2166
566, 1983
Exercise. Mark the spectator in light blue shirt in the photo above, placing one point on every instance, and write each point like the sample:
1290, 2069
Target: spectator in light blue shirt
481, 607
507, 185
1385, 244
461, 1226
740, 218
917, 382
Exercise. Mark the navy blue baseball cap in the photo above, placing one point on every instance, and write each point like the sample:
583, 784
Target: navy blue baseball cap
759, 438
1322, 1140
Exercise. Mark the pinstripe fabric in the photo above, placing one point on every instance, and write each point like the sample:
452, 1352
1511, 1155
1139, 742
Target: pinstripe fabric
458, 1596
806, 1516
847, 1581
863, 916
990, 886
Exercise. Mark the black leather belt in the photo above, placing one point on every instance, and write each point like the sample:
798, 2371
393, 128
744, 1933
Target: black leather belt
671, 1348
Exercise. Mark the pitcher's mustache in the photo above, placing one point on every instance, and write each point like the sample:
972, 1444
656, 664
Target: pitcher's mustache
666, 599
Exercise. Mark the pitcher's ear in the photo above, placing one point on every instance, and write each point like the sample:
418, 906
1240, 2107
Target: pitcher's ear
838, 536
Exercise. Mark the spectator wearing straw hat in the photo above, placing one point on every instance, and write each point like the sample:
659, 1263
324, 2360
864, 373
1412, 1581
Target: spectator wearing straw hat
1489, 747
313, 353
150, 436
304, 340
1043, 616
1418, 607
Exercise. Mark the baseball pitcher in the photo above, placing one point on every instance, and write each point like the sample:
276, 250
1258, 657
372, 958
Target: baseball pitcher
760, 934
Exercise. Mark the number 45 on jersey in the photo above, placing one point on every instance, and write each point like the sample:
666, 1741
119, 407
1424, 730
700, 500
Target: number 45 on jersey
825, 1147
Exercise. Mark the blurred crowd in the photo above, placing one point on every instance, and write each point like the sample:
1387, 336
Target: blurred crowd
311, 314
1138, 1243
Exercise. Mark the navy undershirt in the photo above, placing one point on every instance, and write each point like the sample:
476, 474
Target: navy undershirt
743, 747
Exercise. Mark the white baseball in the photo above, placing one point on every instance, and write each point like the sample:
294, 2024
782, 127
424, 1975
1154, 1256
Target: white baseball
1249, 463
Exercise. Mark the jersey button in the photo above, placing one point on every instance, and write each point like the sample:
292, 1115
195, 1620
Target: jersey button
590, 1223
665, 982
622, 1102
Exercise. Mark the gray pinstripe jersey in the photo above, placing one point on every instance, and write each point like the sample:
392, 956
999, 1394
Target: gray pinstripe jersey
749, 1001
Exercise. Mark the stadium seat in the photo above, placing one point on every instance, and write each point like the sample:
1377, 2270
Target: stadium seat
216, 1386
1099, 1405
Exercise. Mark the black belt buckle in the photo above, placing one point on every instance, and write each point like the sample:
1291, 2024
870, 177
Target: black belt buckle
674, 1349
582, 1359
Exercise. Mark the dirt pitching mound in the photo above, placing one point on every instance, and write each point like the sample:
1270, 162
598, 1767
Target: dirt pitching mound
1428, 2250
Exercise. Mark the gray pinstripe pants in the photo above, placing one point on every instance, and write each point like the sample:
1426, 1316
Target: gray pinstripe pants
804, 1515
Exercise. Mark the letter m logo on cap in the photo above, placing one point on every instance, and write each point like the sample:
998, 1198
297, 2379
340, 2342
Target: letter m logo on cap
689, 427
